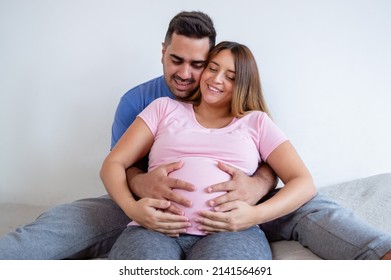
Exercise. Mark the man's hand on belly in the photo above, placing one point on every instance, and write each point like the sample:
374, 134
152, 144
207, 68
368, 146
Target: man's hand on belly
242, 187
157, 184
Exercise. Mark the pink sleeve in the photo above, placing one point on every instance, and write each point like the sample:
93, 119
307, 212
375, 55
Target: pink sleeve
270, 137
154, 113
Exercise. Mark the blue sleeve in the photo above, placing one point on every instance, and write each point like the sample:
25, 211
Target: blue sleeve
125, 114
133, 102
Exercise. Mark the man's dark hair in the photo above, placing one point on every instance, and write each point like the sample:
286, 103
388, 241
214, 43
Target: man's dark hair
193, 25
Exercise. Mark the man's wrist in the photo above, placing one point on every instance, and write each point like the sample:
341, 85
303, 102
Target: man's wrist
266, 176
131, 177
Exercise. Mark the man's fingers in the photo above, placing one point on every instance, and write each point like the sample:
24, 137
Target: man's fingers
227, 206
171, 212
221, 187
179, 184
227, 197
158, 203
226, 168
166, 217
224, 186
175, 210
178, 198
170, 167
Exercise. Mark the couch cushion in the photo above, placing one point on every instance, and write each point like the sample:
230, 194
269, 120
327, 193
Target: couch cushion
369, 198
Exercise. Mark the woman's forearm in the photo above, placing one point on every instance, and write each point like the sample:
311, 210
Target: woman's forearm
133, 145
113, 175
292, 196
299, 186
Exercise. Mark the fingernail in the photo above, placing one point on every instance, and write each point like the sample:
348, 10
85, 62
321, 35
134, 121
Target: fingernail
211, 202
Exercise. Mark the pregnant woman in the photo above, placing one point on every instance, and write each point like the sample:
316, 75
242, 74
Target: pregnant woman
225, 121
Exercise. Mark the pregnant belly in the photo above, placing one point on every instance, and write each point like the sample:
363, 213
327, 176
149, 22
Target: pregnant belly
200, 172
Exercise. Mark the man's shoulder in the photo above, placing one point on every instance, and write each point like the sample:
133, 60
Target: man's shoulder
149, 90
155, 82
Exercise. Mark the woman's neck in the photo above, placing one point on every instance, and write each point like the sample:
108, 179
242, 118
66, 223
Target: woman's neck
212, 117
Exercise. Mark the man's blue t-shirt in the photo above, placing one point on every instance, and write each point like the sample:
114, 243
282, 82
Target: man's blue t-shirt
133, 102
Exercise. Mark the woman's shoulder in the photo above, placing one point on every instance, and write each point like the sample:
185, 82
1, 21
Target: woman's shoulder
256, 119
256, 115
168, 104
168, 100
163, 102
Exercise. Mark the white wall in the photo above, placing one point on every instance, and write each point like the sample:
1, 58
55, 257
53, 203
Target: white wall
64, 65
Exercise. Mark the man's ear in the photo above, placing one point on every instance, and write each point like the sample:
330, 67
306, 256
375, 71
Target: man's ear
163, 51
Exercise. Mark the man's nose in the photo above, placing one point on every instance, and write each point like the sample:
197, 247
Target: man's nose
184, 72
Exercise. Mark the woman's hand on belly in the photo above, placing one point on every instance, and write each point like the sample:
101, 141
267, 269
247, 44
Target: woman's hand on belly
150, 213
231, 216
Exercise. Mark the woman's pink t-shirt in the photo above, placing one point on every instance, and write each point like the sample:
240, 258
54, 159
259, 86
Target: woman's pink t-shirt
244, 143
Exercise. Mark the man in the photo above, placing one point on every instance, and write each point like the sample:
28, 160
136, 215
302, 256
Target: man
88, 228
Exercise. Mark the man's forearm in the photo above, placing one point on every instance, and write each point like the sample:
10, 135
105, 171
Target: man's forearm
132, 172
140, 167
265, 174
